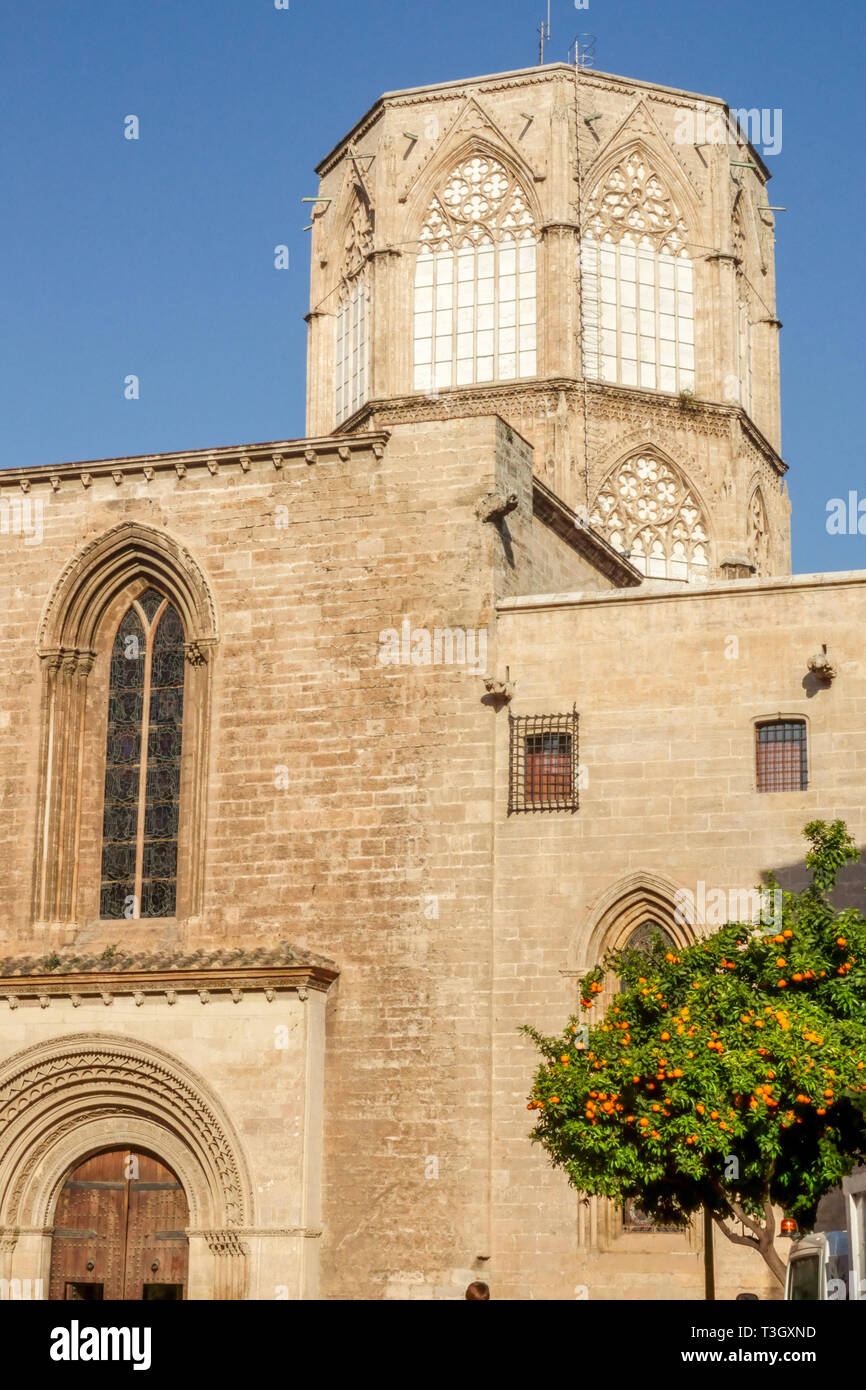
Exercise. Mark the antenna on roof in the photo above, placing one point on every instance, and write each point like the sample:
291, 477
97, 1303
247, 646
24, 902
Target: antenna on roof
543, 35
583, 51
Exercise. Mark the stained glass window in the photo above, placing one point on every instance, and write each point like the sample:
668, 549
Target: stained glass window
142, 764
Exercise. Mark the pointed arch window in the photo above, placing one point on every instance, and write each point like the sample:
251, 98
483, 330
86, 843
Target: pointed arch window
649, 513
475, 281
143, 761
353, 318
352, 347
637, 283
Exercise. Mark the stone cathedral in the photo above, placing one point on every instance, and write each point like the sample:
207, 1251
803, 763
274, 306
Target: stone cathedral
330, 762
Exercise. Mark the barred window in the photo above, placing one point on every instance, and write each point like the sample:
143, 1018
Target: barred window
543, 762
142, 771
781, 755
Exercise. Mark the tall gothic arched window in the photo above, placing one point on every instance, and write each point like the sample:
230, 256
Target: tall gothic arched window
142, 762
648, 512
475, 293
637, 281
353, 336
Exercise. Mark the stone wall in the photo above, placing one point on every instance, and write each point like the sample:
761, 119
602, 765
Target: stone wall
668, 686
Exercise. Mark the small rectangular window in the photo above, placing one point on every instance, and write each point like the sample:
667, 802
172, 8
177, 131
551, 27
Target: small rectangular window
780, 756
543, 762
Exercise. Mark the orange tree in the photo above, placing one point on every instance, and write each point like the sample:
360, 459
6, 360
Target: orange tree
728, 1075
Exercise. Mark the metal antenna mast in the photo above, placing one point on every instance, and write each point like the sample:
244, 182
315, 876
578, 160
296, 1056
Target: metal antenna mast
588, 285
543, 35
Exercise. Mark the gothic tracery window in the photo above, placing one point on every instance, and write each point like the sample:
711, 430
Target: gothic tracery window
647, 512
637, 283
353, 317
142, 766
475, 301
759, 533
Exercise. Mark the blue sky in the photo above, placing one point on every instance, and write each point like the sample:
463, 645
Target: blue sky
155, 256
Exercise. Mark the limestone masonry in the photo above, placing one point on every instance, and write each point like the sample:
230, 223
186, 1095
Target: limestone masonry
542, 479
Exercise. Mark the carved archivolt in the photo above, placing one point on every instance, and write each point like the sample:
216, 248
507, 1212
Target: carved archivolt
646, 510
92, 578
50, 1092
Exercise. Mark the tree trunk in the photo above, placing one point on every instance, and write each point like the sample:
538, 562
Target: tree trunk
709, 1263
761, 1239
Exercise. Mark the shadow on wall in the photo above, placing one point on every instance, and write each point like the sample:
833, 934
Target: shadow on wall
850, 890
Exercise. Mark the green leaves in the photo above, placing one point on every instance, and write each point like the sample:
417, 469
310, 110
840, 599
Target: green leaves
832, 848
725, 1073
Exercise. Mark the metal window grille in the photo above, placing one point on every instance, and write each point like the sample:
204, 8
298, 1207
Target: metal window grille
780, 756
543, 762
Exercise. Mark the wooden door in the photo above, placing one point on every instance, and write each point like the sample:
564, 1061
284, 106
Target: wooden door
120, 1231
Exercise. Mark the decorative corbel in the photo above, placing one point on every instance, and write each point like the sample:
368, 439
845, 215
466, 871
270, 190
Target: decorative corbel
499, 692
822, 667
496, 506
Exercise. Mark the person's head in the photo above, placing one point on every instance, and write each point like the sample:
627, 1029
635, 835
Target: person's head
478, 1290
746, 1298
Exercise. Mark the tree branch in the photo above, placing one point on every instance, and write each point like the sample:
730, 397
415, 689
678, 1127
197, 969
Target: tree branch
737, 1239
754, 1226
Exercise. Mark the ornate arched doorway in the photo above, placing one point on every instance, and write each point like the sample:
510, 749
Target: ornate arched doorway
120, 1231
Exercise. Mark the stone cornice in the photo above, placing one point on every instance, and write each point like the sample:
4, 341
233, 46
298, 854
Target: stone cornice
266, 458
605, 399
608, 398
763, 445
674, 591
143, 974
553, 512
78, 986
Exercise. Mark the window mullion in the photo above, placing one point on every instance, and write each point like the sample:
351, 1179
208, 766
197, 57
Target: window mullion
142, 769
